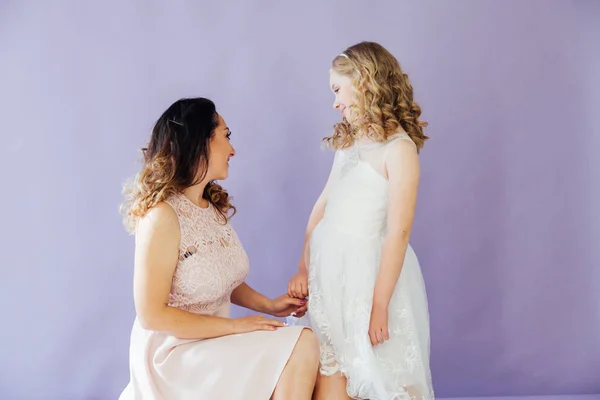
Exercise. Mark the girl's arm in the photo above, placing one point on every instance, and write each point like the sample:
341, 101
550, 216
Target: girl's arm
403, 170
402, 164
298, 285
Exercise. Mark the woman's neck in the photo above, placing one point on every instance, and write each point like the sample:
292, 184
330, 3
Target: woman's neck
195, 194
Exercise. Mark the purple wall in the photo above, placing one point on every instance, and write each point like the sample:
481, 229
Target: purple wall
507, 213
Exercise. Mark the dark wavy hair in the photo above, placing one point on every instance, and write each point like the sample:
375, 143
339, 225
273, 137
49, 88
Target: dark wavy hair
178, 149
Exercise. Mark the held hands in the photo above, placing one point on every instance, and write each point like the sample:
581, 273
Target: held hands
378, 327
285, 305
298, 288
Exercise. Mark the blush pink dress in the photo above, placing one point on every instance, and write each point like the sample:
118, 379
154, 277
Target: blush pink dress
212, 263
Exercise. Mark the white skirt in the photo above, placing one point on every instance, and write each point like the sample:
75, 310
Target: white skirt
342, 273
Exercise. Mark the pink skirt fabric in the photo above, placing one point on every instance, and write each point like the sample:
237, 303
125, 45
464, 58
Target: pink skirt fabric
242, 366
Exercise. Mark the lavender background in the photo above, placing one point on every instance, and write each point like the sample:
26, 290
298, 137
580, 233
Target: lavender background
507, 226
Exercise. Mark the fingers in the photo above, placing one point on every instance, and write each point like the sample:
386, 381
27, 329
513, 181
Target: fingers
292, 289
376, 337
268, 324
298, 290
373, 337
274, 322
304, 289
292, 301
379, 335
302, 309
296, 302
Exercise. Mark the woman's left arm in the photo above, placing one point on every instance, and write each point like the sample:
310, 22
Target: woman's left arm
245, 296
402, 164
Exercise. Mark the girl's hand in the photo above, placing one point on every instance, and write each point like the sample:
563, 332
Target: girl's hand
378, 327
298, 286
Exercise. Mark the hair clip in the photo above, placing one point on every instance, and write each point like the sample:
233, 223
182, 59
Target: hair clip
175, 122
344, 55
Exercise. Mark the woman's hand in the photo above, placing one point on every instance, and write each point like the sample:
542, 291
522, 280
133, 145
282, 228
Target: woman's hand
255, 323
285, 305
378, 327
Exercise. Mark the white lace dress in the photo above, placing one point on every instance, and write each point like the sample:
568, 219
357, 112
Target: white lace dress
212, 262
344, 254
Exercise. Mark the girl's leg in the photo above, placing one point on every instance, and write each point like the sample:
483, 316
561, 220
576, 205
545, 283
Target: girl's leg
331, 387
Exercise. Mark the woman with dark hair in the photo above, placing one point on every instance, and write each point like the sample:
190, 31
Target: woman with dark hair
189, 268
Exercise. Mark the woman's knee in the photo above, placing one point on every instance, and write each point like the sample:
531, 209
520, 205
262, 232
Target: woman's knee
307, 347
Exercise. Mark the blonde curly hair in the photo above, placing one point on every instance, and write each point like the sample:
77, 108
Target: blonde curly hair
178, 149
384, 97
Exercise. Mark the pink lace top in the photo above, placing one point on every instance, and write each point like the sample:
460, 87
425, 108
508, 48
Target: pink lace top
212, 261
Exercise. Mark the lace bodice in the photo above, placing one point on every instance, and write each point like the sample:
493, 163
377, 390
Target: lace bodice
359, 188
212, 261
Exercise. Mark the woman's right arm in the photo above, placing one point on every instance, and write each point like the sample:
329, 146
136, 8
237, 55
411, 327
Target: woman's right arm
156, 256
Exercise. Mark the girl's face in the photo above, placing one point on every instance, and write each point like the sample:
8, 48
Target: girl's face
344, 92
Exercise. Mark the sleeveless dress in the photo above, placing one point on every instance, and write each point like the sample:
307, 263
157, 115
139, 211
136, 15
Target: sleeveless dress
344, 254
211, 264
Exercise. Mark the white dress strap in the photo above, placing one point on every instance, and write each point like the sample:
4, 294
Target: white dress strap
393, 139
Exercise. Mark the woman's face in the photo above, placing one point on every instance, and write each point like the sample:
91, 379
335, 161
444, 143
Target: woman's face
220, 152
